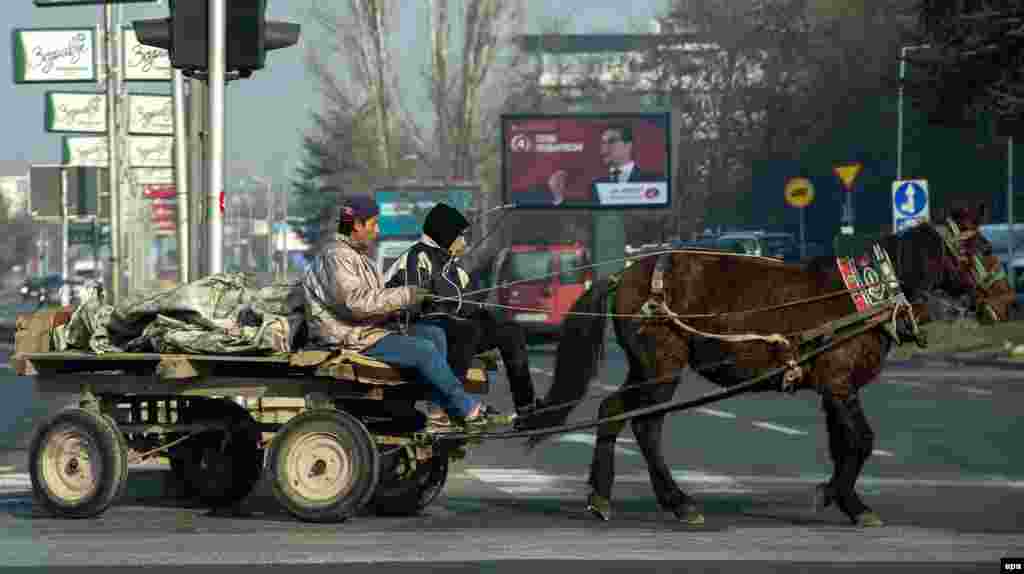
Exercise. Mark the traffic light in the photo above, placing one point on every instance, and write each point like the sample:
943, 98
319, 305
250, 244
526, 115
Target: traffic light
249, 35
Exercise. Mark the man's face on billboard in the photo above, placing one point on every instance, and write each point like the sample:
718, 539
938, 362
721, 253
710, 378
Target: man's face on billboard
614, 150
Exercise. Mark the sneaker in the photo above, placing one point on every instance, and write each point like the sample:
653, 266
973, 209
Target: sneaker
486, 419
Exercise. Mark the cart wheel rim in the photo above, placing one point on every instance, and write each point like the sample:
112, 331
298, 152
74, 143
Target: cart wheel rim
71, 465
320, 467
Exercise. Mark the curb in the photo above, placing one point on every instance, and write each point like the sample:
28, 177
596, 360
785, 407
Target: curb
995, 360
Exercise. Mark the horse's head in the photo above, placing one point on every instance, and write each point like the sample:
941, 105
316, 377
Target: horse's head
943, 268
992, 297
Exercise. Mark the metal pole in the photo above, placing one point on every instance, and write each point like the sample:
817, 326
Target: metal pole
271, 201
181, 169
197, 146
113, 155
215, 166
284, 241
65, 298
899, 115
803, 243
1009, 211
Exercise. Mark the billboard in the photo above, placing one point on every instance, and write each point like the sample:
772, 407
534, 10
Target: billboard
611, 160
403, 208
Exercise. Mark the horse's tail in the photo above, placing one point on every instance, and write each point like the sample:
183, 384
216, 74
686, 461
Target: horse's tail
580, 348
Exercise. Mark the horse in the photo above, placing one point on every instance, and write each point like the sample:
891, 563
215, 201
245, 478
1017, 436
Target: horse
730, 318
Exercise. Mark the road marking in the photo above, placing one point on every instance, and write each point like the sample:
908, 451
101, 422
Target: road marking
589, 439
6, 469
914, 384
974, 390
19, 480
880, 452
545, 372
779, 428
714, 413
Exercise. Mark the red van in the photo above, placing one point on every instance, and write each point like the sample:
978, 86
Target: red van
548, 280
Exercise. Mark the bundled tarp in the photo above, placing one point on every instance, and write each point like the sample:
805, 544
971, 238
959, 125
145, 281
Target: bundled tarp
221, 314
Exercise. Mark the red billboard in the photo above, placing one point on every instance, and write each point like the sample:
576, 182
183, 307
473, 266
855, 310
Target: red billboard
614, 160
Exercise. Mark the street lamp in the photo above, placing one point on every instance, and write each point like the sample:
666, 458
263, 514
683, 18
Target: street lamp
899, 128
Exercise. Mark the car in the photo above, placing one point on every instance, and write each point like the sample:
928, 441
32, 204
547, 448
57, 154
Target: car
998, 235
777, 245
538, 283
45, 289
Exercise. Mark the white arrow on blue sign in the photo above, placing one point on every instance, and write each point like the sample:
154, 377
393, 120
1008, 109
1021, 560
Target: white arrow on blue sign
909, 203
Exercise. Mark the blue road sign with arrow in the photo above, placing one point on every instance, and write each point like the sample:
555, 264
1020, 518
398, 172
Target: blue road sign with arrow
909, 203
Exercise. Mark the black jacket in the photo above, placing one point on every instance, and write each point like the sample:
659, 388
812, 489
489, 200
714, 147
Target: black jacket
426, 265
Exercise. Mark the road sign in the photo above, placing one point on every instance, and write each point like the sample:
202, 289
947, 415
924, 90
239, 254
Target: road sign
909, 203
847, 174
54, 55
799, 191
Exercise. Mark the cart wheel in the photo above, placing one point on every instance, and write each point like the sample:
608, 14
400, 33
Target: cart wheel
78, 464
324, 466
221, 475
399, 495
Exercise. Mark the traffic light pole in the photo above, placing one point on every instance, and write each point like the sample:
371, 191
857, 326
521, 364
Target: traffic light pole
113, 153
181, 174
215, 186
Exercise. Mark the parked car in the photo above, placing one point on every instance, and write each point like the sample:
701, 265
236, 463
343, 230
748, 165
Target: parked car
546, 281
778, 245
999, 235
45, 289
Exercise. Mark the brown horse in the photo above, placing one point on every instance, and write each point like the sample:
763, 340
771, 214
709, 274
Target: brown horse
716, 296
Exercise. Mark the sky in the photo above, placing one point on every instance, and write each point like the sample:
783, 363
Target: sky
267, 114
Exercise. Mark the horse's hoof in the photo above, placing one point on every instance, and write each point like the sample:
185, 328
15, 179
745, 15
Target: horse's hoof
822, 498
689, 514
869, 520
599, 506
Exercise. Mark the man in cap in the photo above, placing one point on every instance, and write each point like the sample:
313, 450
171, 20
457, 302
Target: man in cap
348, 306
432, 263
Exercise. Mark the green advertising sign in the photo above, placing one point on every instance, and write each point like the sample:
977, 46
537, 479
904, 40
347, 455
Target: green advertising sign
54, 55
50, 3
87, 233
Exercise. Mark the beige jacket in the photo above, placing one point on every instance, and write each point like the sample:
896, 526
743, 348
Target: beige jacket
346, 303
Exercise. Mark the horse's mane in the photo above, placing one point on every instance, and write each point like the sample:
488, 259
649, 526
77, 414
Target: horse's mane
914, 252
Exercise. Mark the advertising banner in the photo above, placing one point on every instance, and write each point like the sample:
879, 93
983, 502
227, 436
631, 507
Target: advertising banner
76, 112
403, 209
54, 55
141, 62
587, 160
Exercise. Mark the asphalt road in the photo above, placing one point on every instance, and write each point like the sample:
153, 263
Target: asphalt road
947, 476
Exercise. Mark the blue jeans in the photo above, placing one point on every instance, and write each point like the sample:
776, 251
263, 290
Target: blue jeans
430, 363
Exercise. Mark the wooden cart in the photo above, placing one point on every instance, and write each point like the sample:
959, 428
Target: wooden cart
355, 438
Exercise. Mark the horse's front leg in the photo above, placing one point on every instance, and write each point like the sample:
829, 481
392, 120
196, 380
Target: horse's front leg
851, 442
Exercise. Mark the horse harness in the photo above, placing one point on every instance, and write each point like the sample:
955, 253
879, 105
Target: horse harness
895, 314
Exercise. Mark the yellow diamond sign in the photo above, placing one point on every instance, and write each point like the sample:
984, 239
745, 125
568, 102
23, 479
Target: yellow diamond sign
799, 191
848, 174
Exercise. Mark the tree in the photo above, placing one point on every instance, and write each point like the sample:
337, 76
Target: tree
976, 64
365, 134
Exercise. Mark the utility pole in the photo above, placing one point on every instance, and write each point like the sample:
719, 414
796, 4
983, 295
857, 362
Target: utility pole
181, 179
217, 55
113, 151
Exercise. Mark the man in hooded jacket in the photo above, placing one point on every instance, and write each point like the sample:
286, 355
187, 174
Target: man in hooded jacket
348, 306
432, 263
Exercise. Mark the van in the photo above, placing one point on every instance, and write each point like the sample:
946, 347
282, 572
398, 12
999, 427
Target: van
538, 283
